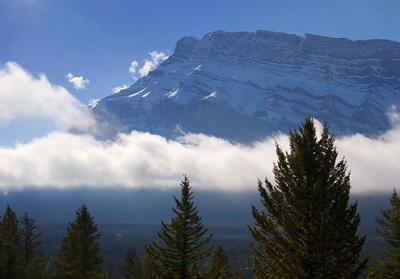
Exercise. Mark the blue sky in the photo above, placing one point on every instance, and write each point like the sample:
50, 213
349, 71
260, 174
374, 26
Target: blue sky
99, 39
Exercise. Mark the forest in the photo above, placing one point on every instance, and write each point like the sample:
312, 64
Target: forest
304, 226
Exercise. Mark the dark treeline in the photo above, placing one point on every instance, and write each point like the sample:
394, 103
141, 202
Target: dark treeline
305, 227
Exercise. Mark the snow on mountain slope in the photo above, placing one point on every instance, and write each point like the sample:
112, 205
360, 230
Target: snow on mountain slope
246, 85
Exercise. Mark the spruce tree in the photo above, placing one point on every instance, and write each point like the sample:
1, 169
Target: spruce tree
80, 256
184, 242
133, 265
220, 268
389, 229
307, 228
149, 268
33, 263
10, 249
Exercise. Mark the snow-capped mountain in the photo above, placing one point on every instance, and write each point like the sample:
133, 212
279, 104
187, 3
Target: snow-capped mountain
246, 85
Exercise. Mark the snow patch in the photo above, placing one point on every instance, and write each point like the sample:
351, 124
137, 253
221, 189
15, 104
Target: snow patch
145, 94
137, 93
172, 93
93, 103
211, 95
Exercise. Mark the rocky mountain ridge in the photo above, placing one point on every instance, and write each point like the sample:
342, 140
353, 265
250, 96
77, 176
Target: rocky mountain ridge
244, 86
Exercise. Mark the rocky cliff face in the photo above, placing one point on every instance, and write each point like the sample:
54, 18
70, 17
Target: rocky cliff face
244, 86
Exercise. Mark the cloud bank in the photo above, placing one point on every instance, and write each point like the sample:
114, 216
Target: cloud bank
133, 160
142, 160
79, 82
24, 96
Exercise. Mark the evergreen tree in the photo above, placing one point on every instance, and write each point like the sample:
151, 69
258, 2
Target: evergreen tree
133, 269
80, 256
10, 249
389, 229
184, 241
33, 263
307, 228
220, 268
109, 275
149, 268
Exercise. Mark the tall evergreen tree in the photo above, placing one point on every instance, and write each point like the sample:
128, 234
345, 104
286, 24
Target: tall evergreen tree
307, 228
10, 249
80, 256
220, 268
33, 263
389, 229
184, 241
133, 265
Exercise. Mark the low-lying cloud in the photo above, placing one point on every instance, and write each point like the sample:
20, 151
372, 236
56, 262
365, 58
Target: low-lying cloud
142, 160
133, 160
24, 96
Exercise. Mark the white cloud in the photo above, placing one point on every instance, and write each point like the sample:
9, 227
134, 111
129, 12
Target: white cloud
25, 96
156, 58
78, 82
133, 67
93, 103
117, 89
149, 64
137, 160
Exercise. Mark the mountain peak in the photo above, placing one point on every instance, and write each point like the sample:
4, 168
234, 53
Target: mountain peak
186, 46
342, 48
246, 85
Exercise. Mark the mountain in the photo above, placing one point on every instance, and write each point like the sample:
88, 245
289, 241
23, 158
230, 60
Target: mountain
149, 206
243, 86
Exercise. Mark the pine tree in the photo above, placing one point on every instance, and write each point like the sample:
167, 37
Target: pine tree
220, 268
80, 256
184, 241
10, 249
389, 229
149, 268
33, 263
307, 228
133, 265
